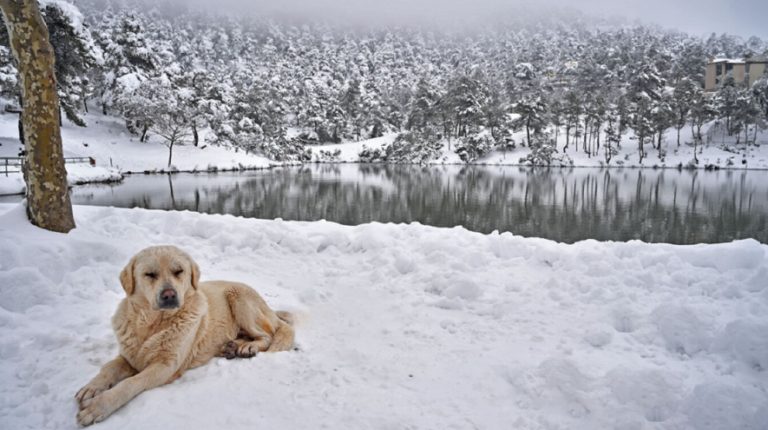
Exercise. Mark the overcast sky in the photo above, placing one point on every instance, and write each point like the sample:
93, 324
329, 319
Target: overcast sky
741, 17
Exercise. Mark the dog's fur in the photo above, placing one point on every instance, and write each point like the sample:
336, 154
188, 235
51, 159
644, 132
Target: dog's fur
158, 344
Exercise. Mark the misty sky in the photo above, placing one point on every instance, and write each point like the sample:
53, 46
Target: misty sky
741, 17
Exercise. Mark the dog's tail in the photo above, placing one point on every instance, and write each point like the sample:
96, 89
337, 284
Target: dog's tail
283, 338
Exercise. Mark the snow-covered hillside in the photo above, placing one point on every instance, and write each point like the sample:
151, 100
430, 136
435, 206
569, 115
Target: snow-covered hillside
107, 140
720, 152
116, 151
401, 326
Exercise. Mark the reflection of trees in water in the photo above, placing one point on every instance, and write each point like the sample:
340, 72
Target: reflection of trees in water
565, 205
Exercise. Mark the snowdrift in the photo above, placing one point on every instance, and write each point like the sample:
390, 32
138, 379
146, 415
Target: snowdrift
401, 326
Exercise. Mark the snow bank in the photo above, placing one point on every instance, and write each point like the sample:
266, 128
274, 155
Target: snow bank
720, 152
77, 173
111, 145
401, 326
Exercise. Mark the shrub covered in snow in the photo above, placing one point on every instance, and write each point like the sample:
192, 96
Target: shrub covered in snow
544, 153
474, 146
413, 147
375, 155
284, 149
325, 156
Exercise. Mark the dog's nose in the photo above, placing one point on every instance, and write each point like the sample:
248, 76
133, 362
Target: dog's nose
168, 299
168, 295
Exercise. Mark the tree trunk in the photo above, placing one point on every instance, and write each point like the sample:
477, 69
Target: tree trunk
194, 133
144, 131
658, 145
528, 131
170, 152
597, 140
754, 139
48, 203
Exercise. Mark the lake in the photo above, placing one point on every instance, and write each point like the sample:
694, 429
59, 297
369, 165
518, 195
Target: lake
565, 205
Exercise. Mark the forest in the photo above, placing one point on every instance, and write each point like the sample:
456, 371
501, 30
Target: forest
278, 88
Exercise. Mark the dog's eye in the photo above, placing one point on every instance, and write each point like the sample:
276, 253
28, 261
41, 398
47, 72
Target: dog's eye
151, 275
176, 273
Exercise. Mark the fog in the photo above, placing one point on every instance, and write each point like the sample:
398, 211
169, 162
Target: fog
741, 17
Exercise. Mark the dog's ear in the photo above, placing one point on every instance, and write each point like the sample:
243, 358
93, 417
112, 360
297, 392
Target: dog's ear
195, 273
126, 277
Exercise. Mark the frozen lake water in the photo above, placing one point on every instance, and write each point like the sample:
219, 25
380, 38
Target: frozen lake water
566, 205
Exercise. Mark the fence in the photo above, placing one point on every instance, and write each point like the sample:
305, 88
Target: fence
16, 164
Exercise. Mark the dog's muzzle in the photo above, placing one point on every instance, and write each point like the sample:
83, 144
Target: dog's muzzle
168, 299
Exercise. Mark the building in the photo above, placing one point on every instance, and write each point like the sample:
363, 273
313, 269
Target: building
744, 71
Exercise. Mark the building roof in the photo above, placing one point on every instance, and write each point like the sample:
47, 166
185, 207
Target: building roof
757, 59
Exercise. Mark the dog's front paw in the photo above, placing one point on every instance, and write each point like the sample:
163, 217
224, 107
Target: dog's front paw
90, 391
248, 350
229, 350
95, 409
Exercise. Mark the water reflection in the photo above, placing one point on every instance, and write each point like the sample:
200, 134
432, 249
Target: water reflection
564, 205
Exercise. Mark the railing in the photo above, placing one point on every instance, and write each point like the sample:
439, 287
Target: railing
16, 164
11, 164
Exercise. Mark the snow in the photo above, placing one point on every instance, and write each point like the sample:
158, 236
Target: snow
12, 183
350, 150
401, 326
720, 152
111, 145
77, 173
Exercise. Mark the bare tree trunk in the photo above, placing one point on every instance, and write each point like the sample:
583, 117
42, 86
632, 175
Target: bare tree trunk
195, 136
597, 140
170, 152
144, 131
528, 131
567, 137
48, 203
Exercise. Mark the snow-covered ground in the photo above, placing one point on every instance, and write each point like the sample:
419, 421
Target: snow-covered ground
77, 173
116, 151
349, 151
720, 151
401, 326
107, 140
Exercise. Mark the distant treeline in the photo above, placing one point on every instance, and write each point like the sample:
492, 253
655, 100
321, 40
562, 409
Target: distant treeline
248, 81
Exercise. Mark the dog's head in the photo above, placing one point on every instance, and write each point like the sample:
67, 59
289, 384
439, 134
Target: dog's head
163, 275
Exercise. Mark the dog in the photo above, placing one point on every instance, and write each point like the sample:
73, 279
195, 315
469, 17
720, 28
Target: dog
170, 322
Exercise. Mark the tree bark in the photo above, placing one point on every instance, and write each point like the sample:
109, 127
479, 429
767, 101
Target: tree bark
144, 131
48, 203
170, 152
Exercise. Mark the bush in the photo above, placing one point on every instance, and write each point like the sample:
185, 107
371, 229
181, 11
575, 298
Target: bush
472, 147
328, 156
544, 153
413, 147
368, 155
282, 149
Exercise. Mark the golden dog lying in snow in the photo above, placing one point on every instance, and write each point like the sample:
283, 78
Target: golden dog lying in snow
170, 322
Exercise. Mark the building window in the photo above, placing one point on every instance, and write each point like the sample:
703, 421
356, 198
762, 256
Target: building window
718, 69
728, 67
